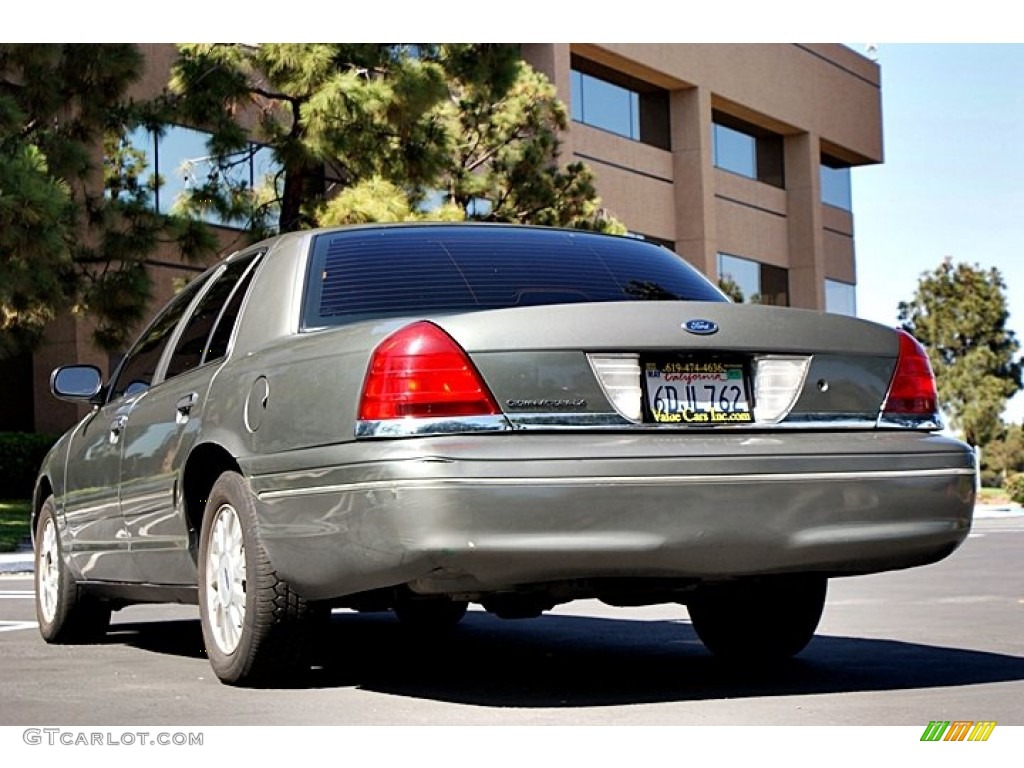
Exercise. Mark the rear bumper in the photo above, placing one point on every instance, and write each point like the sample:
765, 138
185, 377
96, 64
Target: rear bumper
485, 513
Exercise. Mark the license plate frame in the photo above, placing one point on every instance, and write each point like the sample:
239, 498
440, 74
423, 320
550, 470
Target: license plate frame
701, 390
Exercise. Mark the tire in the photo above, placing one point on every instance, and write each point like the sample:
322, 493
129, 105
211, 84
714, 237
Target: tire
66, 615
255, 626
430, 616
759, 620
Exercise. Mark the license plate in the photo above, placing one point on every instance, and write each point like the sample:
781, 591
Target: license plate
697, 391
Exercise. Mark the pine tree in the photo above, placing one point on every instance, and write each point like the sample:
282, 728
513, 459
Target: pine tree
503, 119
959, 313
375, 132
1003, 456
75, 231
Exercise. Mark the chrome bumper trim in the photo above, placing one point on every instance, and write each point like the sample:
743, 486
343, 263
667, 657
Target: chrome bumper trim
634, 480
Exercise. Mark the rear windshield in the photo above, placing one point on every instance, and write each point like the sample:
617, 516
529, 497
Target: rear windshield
367, 273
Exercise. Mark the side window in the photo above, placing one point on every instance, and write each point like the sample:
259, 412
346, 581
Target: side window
218, 345
139, 366
193, 347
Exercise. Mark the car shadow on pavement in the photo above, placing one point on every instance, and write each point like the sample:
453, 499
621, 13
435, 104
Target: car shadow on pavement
180, 637
572, 661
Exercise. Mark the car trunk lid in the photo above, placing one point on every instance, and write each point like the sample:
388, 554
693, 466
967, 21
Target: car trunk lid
619, 364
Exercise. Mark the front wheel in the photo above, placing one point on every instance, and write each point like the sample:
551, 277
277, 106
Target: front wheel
65, 614
759, 620
254, 624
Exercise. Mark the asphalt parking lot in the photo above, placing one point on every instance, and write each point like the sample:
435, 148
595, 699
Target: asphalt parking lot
899, 648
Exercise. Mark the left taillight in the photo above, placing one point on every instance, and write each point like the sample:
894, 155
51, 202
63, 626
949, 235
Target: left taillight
420, 372
912, 390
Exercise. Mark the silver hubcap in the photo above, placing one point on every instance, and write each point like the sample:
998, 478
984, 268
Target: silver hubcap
48, 571
225, 579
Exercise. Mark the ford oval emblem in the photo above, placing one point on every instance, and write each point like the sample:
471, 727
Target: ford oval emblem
701, 327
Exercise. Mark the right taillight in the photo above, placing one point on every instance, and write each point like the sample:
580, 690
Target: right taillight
912, 390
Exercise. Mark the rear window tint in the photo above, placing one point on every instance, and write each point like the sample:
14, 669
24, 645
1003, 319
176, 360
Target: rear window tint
437, 269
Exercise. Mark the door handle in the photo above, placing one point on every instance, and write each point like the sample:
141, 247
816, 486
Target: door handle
116, 428
184, 407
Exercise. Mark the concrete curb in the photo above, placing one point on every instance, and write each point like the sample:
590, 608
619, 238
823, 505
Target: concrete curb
992, 511
16, 562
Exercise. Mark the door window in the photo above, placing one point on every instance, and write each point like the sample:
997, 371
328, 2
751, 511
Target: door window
139, 366
196, 344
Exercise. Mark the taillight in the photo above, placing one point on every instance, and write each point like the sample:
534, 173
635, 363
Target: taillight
420, 372
912, 390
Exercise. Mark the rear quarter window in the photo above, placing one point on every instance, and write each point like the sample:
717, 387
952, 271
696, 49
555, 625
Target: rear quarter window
366, 273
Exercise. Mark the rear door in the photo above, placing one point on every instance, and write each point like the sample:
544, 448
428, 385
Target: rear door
164, 426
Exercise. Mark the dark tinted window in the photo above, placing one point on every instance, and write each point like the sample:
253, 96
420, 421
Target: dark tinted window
192, 344
376, 272
139, 366
218, 346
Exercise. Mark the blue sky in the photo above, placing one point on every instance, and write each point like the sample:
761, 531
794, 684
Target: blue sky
953, 178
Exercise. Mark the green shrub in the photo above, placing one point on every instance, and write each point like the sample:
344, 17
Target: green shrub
21, 454
1015, 488
990, 478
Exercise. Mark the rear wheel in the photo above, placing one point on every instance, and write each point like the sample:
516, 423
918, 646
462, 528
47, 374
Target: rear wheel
65, 613
255, 626
759, 620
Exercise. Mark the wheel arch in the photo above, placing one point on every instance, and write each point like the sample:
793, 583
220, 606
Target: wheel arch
204, 465
43, 491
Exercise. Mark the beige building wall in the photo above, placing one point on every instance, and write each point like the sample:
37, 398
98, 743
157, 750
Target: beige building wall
818, 99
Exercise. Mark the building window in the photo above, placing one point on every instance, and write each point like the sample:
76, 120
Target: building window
745, 149
840, 298
178, 160
604, 105
750, 282
735, 151
835, 183
609, 100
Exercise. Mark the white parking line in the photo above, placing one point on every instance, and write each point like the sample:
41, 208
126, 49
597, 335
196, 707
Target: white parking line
998, 529
13, 626
20, 594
